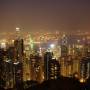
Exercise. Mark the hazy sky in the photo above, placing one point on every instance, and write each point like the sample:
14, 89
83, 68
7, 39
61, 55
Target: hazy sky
40, 15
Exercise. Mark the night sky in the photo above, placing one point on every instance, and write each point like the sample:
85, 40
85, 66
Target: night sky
45, 15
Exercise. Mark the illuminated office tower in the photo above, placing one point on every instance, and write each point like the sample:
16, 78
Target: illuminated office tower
64, 46
35, 67
15, 63
17, 73
28, 49
64, 50
53, 69
66, 64
76, 65
8, 71
14, 72
63, 66
87, 49
85, 67
18, 58
28, 45
69, 66
88, 67
47, 57
19, 47
5, 68
9, 66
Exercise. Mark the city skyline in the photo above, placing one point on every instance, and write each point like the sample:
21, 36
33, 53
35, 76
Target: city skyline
44, 15
38, 58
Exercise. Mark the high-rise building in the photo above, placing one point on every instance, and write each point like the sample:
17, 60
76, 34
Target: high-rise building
51, 67
2, 68
54, 69
47, 58
19, 49
64, 46
35, 67
18, 58
85, 68
17, 72
64, 50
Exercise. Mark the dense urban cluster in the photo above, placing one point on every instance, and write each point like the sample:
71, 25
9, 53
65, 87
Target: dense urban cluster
51, 61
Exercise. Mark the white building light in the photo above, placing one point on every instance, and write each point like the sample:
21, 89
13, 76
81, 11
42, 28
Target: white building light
3, 45
52, 45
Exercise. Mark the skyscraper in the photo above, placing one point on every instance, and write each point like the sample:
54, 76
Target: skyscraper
51, 67
85, 67
54, 69
35, 67
19, 47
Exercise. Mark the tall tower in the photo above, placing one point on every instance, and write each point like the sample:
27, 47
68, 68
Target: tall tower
85, 67
35, 67
64, 48
54, 69
19, 45
47, 58
19, 49
18, 57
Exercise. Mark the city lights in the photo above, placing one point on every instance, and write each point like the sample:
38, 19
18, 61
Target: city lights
3, 45
44, 44
17, 29
30, 58
52, 45
16, 63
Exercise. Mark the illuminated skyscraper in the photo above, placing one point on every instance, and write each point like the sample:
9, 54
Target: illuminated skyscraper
51, 67
18, 58
19, 47
2, 68
54, 69
85, 67
47, 58
35, 67
64, 47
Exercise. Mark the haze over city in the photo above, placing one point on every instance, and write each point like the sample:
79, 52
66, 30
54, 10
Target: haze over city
44, 15
44, 44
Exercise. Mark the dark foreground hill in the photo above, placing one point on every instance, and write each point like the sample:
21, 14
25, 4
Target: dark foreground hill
62, 83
